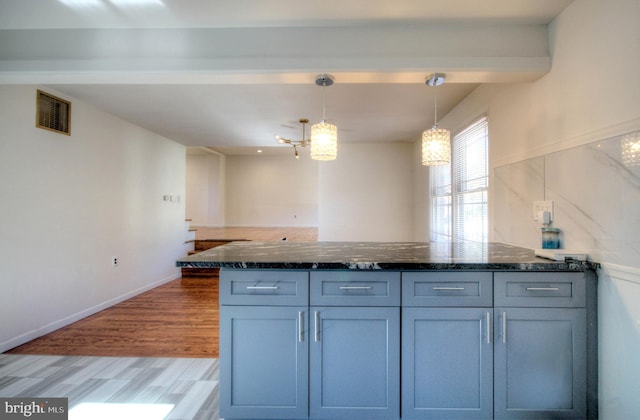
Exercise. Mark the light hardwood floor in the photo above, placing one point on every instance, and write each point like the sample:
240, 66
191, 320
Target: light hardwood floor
177, 319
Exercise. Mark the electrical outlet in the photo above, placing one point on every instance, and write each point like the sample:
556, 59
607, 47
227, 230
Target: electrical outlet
114, 261
539, 208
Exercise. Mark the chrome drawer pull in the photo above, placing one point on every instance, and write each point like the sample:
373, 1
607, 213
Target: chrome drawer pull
262, 287
356, 287
447, 288
538, 289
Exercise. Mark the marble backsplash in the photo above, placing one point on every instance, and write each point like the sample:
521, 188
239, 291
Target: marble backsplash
595, 194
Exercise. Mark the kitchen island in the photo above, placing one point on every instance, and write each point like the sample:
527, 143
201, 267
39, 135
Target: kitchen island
403, 330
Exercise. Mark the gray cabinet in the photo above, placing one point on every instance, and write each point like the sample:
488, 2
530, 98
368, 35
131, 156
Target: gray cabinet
447, 352
355, 348
264, 344
338, 359
418, 344
447, 363
355, 363
540, 365
264, 362
541, 346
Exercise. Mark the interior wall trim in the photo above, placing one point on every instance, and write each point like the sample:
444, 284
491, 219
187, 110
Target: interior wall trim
605, 133
621, 272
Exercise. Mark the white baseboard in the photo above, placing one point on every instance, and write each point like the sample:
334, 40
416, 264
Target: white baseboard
39, 332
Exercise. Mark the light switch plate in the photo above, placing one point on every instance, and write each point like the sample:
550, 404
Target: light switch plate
539, 207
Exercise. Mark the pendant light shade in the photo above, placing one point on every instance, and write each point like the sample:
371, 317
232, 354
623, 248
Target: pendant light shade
324, 141
436, 142
436, 147
630, 145
324, 135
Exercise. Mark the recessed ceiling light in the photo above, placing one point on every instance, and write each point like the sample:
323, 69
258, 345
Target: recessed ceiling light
259, 150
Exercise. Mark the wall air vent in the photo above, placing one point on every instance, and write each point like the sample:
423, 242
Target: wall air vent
53, 113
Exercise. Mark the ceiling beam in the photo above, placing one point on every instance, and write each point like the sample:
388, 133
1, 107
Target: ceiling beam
391, 53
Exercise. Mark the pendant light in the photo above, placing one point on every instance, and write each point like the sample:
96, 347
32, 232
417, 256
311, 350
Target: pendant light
436, 142
630, 145
324, 135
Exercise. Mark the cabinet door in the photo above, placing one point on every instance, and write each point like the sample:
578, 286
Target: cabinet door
447, 363
264, 354
540, 363
355, 363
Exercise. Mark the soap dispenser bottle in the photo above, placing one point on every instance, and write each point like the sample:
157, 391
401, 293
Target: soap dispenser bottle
550, 235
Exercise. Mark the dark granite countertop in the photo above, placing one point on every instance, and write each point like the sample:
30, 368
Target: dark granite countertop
375, 256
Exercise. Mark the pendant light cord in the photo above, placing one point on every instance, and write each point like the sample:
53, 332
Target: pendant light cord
324, 97
435, 107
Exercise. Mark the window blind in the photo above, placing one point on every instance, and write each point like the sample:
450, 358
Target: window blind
441, 217
459, 191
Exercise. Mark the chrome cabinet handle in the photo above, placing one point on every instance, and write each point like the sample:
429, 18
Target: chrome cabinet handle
447, 288
317, 326
262, 287
504, 327
552, 289
356, 287
300, 326
488, 319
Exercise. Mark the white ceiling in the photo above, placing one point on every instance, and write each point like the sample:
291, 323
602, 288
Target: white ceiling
231, 74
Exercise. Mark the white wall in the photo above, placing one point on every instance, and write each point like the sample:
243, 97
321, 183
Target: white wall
367, 194
592, 93
71, 203
205, 189
271, 191
619, 342
421, 196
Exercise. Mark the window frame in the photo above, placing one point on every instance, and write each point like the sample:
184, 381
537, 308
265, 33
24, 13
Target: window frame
451, 184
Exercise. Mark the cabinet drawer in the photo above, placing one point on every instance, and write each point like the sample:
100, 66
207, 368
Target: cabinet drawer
447, 289
552, 290
264, 287
355, 288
